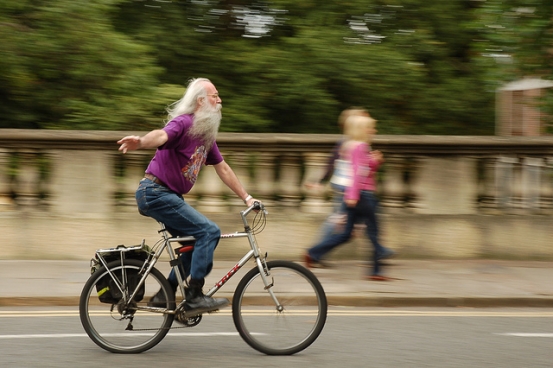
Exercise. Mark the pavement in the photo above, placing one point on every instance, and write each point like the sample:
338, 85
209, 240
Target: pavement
415, 283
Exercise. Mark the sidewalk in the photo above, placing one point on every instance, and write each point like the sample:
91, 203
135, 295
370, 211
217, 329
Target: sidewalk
436, 283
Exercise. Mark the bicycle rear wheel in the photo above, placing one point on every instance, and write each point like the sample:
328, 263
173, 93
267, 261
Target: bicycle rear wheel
282, 329
120, 329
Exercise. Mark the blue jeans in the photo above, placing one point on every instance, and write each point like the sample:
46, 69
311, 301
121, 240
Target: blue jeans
329, 226
180, 219
365, 211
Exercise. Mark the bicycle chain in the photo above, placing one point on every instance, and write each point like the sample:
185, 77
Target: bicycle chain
156, 329
196, 321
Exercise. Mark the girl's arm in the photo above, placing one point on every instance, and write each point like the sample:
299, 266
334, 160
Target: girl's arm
375, 159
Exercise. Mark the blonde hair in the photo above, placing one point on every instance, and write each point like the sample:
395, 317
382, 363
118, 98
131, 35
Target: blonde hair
355, 128
352, 111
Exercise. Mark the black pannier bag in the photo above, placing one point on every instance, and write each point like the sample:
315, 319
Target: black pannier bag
106, 287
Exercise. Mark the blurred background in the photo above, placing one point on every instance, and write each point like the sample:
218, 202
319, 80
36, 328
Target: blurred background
461, 90
281, 66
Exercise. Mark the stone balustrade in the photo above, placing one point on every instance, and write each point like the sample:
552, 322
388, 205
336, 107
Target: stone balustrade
441, 196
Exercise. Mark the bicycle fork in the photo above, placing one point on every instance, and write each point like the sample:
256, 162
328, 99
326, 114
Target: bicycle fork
264, 272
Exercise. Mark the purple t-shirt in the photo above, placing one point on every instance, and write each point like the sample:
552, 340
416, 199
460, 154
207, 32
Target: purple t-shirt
177, 163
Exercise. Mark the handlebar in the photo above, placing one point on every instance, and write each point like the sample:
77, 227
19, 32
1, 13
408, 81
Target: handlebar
259, 220
256, 206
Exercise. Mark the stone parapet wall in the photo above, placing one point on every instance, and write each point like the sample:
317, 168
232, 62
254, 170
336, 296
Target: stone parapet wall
64, 194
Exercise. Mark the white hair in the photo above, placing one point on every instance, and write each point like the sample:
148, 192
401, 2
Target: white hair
189, 101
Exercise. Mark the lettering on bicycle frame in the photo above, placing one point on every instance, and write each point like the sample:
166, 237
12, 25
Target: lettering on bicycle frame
227, 277
233, 235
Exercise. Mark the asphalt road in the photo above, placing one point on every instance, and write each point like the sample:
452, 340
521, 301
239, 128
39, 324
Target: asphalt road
353, 337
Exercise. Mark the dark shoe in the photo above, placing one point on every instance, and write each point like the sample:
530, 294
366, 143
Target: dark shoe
387, 253
197, 303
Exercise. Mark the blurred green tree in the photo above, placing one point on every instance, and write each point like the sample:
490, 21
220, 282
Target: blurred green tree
296, 65
64, 67
280, 66
515, 42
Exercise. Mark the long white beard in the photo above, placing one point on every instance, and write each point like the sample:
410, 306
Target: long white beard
206, 124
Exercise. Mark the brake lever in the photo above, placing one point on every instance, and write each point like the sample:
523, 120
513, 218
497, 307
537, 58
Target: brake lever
259, 206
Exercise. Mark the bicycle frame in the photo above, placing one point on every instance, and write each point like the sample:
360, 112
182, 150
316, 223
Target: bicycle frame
167, 240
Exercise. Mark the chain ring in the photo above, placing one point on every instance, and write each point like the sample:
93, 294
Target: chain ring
187, 321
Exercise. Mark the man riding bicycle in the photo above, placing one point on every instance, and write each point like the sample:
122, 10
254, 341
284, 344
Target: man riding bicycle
184, 145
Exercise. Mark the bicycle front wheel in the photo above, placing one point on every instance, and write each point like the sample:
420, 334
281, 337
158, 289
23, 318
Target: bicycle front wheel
121, 327
286, 323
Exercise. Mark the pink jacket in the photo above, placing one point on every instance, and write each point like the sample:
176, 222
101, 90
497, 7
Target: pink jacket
364, 168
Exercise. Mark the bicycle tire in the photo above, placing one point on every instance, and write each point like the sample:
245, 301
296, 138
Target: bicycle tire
107, 325
280, 332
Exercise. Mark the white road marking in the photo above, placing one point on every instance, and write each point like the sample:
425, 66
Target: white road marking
331, 312
61, 335
526, 334
210, 334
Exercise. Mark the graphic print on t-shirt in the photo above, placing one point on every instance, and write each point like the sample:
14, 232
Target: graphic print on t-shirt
192, 169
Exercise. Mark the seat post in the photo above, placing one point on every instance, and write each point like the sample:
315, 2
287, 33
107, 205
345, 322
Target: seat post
163, 230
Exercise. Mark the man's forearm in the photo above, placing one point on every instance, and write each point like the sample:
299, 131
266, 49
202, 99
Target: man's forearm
153, 139
230, 179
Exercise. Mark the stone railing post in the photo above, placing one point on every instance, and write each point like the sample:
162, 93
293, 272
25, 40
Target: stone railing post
264, 182
134, 172
486, 184
517, 188
531, 182
28, 180
546, 185
290, 178
504, 179
315, 166
393, 185
6, 202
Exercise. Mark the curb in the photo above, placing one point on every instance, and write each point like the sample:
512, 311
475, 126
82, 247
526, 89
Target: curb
440, 302
37, 301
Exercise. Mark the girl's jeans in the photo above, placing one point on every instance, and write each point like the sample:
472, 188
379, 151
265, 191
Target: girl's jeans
180, 219
365, 211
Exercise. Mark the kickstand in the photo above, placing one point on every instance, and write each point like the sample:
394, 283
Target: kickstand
130, 326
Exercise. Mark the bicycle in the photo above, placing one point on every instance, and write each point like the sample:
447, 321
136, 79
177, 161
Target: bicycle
279, 307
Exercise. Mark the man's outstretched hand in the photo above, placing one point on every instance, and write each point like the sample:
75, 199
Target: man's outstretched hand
129, 143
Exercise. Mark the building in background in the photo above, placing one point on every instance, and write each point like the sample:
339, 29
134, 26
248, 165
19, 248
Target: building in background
519, 180
517, 113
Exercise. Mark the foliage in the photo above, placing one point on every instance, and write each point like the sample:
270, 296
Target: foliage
419, 67
65, 67
516, 39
